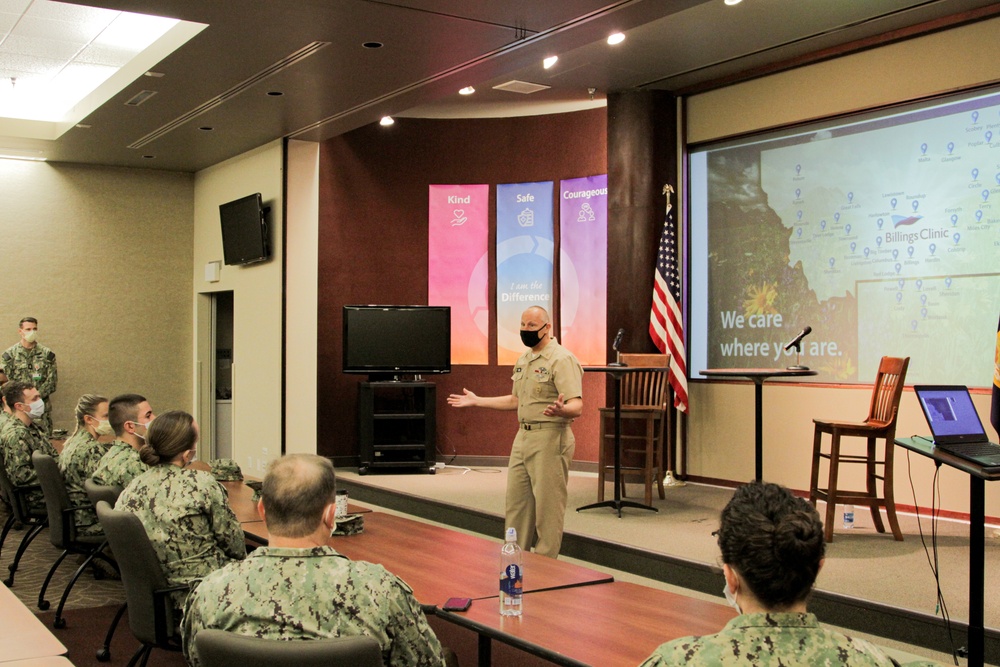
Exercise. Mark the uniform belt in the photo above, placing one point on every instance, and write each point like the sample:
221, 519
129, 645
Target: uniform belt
537, 426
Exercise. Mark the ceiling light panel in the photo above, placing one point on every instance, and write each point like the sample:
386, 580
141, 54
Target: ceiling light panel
58, 54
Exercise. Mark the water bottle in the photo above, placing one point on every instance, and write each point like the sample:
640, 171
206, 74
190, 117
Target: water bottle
511, 575
848, 516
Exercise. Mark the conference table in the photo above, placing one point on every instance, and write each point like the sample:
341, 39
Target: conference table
439, 563
22, 635
977, 535
613, 624
758, 376
573, 615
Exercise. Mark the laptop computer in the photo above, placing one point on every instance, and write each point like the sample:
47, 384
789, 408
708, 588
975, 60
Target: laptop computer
955, 424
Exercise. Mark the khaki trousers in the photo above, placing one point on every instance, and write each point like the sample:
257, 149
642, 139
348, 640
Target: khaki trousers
536, 487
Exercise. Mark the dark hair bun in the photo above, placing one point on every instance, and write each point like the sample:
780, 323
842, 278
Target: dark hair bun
149, 455
796, 538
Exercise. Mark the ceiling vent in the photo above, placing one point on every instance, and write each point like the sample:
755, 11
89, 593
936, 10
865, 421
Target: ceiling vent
523, 87
140, 97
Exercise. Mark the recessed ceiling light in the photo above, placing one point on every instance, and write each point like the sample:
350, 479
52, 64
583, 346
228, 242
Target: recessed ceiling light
372, 45
386, 121
550, 61
275, 93
616, 38
155, 75
468, 90
206, 128
733, 2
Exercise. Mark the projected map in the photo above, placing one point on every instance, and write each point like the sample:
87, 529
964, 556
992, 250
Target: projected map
884, 236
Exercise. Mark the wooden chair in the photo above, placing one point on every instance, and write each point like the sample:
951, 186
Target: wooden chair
880, 424
644, 399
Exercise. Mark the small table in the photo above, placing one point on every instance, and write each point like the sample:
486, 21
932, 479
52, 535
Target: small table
625, 623
617, 373
977, 535
758, 375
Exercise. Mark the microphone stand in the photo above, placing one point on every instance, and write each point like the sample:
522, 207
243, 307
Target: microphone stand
797, 366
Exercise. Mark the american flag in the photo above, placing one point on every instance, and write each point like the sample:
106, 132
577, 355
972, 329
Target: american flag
666, 327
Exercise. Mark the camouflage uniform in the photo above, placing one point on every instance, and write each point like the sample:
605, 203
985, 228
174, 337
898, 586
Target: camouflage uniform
188, 520
37, 366
17, 442
281, 593
543, 448
119, 465
78, 461
770, 639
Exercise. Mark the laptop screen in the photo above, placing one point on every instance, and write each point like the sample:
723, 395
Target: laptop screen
950, 413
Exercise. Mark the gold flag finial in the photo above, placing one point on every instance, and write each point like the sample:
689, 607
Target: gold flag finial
668, 190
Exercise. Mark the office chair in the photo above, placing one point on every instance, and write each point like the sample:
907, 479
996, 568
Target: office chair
218, 648
109, 494
33, 519
147, 594
643, 400
63, 533
880, 424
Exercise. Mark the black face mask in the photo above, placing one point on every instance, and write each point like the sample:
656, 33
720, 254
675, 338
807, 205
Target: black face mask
532, 338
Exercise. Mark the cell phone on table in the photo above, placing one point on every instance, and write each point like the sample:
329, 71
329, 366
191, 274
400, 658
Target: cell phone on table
457, 604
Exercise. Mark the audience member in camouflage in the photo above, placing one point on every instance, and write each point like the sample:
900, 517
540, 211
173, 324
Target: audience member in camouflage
772, 549
185, 512
21, 436
768, 639
30, 361
299, 588
81, 456
130, 415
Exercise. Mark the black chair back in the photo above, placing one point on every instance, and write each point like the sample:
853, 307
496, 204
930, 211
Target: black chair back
217, 648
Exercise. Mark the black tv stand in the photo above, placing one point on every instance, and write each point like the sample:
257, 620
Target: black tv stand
397, 425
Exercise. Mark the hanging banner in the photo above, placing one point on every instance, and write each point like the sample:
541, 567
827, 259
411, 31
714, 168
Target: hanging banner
525, 227
458, 266
583, 267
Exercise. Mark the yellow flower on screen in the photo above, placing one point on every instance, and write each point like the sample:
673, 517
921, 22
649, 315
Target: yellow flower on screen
761, 301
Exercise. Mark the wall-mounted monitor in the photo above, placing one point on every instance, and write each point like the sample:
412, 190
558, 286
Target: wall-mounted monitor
385, 342
244, 230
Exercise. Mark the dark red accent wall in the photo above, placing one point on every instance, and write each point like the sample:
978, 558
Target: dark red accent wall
373, 249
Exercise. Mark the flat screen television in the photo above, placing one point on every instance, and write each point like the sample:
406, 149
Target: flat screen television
385, 342
244, 230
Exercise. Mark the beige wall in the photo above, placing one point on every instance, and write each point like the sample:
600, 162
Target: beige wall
301, 271
257, 309
102, 257
721, 425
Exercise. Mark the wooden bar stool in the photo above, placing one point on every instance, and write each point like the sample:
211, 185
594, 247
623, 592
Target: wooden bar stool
644, 399
879, 425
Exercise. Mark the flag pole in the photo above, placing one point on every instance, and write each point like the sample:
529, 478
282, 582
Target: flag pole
669, 479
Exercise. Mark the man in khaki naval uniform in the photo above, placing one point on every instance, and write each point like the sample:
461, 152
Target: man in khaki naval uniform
298, 587
548, 396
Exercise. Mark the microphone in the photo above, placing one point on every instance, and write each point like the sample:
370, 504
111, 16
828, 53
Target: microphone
618, 339
798, 339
